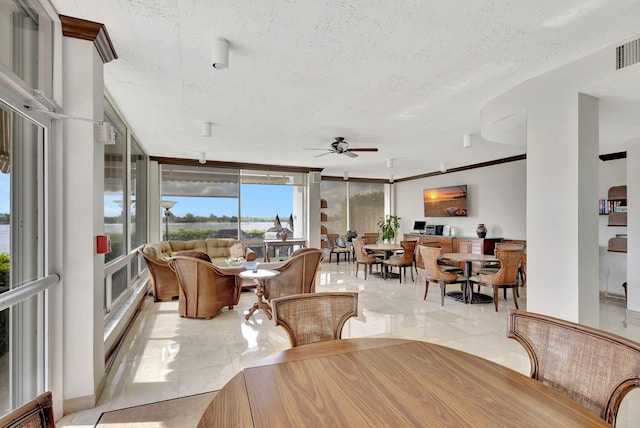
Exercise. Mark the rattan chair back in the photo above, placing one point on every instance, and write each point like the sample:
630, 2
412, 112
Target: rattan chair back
204, 288
297, 274
508, 272
593, 367
430, 256
508, 246
361, 256
37, 413
370, 237
314, 317
164, 282
406, 259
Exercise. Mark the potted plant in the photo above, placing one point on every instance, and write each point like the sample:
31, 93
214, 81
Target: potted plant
389, 227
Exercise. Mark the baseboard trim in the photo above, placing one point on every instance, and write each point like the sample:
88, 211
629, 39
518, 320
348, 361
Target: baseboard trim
77, 404
633, 317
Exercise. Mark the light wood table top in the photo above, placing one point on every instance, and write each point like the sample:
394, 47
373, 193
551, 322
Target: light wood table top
382, 247
388, 382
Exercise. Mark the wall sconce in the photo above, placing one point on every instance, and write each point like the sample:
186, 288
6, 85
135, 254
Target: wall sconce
345, 177
220, 54
203, 158
207, 129
389, 163
390, 178
466, 141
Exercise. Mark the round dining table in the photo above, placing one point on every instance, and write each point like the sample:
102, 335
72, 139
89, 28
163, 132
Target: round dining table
386, 249
468, 258
374, 382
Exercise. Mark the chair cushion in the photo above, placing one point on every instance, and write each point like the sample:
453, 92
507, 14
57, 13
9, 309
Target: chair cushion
197, 254
488, 271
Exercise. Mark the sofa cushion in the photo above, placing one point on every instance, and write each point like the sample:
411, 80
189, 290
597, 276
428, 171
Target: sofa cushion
220, 247
193, 245
237, 250
197, 254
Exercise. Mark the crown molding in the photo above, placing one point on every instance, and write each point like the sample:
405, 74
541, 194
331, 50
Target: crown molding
92, 31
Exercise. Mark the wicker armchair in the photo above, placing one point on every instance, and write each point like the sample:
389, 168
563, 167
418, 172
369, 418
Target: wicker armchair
297, 274
505, 277
595, 368
204, 288
314, 317
164, 282
405, 260
37, 413
430, 256
362, 258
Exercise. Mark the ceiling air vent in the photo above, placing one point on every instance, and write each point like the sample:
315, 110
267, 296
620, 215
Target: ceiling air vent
628, 54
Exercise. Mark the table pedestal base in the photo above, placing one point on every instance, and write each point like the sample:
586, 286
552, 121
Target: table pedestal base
260, 304
458, 296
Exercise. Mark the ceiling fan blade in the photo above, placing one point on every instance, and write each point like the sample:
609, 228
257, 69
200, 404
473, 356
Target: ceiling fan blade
322, 154
364, 149
348, 153
316, 149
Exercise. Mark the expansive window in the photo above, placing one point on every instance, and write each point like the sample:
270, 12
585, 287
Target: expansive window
366, 206
25, 58
125, 209
22, 258
352, 205
205, 202
26, 43
137, 203
115, 169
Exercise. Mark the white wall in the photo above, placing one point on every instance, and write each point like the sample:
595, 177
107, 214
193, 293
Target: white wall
613, 266
496, 196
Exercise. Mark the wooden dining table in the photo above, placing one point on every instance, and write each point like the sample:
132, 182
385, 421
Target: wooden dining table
386, 249
374, 382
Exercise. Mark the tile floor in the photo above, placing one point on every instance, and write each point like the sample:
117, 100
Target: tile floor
165, 356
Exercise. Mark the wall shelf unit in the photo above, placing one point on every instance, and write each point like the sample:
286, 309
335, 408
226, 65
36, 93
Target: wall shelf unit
616, 207
323, 229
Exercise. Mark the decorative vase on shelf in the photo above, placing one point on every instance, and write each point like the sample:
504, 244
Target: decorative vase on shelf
284, 235
481, 230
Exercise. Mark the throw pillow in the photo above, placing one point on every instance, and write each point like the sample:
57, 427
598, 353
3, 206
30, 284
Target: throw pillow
196, 254
237, 250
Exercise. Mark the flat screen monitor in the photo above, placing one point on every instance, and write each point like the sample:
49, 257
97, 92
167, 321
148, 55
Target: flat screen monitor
445, 201
419, 225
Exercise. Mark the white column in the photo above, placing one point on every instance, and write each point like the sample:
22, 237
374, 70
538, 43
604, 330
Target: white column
633, 232
313, 212
562, 187
83, 182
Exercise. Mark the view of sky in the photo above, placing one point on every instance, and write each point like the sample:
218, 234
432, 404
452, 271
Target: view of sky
4, 193
257, 201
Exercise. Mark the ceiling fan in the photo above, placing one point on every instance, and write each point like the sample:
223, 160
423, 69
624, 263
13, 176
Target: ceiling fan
341, 147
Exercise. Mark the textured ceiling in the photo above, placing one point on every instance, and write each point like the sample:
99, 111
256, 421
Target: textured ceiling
406, 76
